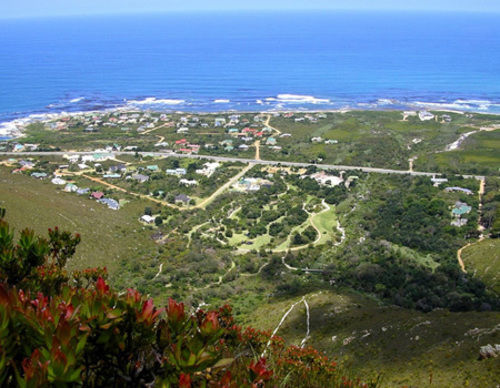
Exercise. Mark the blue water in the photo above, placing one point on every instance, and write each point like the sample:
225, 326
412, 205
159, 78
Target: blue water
341, 59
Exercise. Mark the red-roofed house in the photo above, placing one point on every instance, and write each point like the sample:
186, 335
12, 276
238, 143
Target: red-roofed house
182, 141
97, 194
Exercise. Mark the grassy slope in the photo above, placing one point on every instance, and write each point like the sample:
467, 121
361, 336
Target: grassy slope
406, 345
107, 235
483, 259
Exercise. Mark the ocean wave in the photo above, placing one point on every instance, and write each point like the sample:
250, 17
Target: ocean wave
75, 100
156, 101
460, 105
297, 99
221, 101
386, 101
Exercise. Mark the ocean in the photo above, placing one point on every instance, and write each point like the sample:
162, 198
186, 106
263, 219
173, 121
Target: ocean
250, 61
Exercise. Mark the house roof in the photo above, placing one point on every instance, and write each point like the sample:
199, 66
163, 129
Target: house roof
182, 197
97, 194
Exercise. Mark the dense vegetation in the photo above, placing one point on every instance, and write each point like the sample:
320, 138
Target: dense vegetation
62, 328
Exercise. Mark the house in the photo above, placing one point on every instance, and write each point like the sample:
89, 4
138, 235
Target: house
83, 191
112, 176
188, 182
271, 141
243, 147
316, 139
176, 171
460, 209
181, 141
153, 167
286, 135
97, 195
70, 188
147, 219
233, 131
425, 116
459, 222
82, 166
112, 204
228, 148
220, 121
140, 178
31, 147
27, 164
325, 179
438, 181
331, 141
72, 158
183, 130
101, 156
251, 184
208, 168
182, 198
118, 168
39, 175
460, 189
58, 181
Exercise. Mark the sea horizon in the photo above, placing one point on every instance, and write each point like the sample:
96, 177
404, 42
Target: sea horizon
252, 61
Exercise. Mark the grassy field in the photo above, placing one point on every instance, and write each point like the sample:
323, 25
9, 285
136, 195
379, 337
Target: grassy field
108, 236
479, 153
412, 349
483, 259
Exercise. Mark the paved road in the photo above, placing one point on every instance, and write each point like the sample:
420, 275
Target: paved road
244, 160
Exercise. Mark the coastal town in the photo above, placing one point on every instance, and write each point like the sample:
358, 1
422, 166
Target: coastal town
161, 159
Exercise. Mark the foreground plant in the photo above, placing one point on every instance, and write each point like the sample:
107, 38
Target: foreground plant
73, 329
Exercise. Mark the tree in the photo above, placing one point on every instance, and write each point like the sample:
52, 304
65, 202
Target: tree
148, 211
158, 220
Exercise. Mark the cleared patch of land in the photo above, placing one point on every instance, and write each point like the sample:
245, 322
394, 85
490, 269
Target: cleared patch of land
483, 259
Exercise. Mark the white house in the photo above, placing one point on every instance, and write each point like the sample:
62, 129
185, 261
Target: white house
147, 219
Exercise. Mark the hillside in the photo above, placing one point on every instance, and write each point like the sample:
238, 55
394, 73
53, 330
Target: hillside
409, 348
